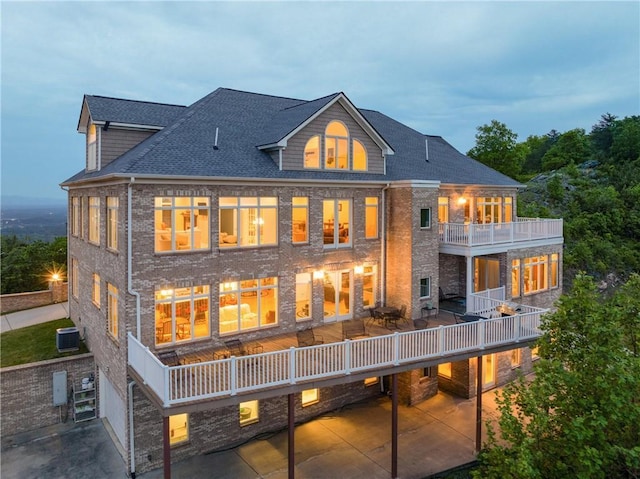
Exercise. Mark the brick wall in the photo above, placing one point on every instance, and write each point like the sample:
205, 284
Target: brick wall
27, 393
57, 293
414, 386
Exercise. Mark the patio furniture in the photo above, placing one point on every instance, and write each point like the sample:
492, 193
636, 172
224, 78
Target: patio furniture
396, 315
467, 318
420, 324
307, 337
237, 348
376, 316
445, 296
428, 310
169, 358
353, 328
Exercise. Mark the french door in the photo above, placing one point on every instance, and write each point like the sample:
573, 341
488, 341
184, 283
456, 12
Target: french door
338, 295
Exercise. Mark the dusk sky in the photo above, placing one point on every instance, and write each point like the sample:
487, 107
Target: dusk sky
441, 68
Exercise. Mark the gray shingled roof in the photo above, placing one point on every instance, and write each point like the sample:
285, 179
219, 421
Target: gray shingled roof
247, 120
132, 112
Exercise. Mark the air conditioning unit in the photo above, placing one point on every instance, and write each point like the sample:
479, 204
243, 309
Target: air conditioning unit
67, 339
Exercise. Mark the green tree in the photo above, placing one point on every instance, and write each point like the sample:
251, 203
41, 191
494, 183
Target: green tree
496, 146
625, 144
602, 134
579, 416
571, 147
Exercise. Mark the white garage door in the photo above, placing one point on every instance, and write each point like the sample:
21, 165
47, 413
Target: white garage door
112, 407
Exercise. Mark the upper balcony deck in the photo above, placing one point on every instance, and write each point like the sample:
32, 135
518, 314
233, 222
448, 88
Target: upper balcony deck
280, 371
478, 238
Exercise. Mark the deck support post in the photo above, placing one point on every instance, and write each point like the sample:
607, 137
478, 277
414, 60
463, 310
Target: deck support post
479, 404
394, 426
166, 448
291, 407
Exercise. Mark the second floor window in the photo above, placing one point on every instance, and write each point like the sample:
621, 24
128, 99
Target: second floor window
369, 281
300, 219
75, 278
95, 295
515, 278
336, 146
75, 216
249, 304
371, 217
443, 209
112, 222
248, 221
94, 219
535, 274
425, 218
182, 314
336, 221
181, 223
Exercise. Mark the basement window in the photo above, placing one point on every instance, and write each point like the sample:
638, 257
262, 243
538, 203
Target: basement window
178, 429
310, 396
249, 412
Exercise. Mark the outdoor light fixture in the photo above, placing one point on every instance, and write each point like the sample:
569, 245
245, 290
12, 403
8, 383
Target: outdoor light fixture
359, 269
462, 200
318, 274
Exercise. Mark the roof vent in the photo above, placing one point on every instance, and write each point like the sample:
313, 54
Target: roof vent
215, 142
426, 146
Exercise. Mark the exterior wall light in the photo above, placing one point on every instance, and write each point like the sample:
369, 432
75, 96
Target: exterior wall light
319, 274
359, 269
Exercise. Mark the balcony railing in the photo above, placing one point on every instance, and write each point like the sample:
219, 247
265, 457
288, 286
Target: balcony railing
227, 377
523, 229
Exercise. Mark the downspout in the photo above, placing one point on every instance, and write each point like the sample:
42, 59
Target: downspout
131, 432
383, 247
130, 257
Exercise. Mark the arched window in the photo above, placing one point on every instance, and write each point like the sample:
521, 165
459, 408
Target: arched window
359, 156
336, 146
312, 153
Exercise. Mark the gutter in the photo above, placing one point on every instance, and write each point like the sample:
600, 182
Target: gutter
130, 257
132, 450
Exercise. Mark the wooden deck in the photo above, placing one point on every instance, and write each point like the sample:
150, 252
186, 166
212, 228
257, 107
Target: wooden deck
331, 333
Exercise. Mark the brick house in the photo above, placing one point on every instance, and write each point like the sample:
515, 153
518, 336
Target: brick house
252, 217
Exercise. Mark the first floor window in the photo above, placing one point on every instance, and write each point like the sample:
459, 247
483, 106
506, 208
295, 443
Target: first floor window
94, 219
445, 370
425, 218
369, 281
182, 314
249, 412
75, 278
310, 396
248, 304
95, 296
554, 270
515, 358
303, 296
178, 429
181, 223
425, 287
515, 278
443, 209
112, 310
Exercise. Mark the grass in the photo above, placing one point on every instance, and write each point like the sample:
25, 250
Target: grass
34, 343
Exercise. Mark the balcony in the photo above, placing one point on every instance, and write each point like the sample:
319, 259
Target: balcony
284, 368
459, 238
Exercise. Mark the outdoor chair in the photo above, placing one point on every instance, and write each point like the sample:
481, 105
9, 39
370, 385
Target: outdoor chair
307, 337
237, 348
353, 328
169, 358
445, 296
420, 324
376, 317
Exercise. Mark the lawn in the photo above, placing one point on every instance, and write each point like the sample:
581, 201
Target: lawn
34, 343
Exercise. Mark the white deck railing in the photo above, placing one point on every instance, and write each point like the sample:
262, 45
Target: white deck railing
228, 377
523, 229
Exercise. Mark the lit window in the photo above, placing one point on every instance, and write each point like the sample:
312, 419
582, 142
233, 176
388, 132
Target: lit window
309, 397
249, 304
371, 381
425, 287
75, 216
112, 310
181, 223
554, 270
425, 218
336, 219
371, 217
443, 209
300, 219
182, 314
359, 156
515, 278
249, 412
312, 153
178, 429
112, 222
535, 274
75, 278
94, 219
489, 210
336, 146
369, 281
303, 296
515, 358
444, 370
92, 148
95, 295
248, 221
508, 209
534, 353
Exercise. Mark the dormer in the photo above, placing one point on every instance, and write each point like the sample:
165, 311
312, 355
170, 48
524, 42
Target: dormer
113, 126
330, 135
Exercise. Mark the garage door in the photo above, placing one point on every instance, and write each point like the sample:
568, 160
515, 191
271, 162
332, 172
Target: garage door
112, 407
